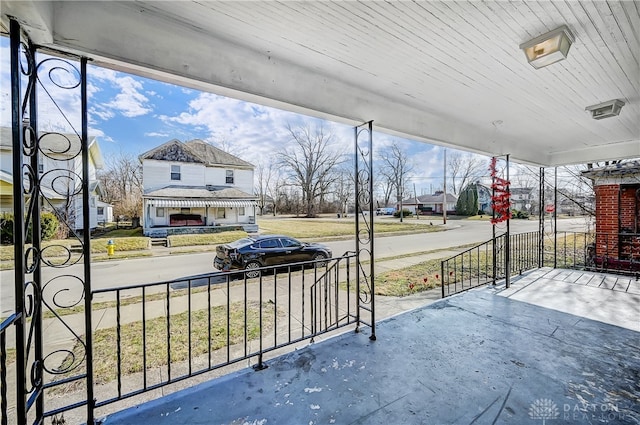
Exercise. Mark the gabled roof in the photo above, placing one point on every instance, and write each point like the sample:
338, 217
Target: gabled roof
437, 198
430, 199
520, 190
194, 151
214, 156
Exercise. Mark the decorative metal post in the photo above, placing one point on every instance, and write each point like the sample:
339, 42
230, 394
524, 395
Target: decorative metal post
555, 218
19, 227
44, 171
86, 236
507, 259
365, 279
541, 204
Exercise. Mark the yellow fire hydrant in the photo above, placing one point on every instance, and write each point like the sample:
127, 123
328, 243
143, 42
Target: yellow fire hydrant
111, 247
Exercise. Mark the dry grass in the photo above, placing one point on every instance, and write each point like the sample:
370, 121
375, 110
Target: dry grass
410, 280
206, 239
133, 351
318, 227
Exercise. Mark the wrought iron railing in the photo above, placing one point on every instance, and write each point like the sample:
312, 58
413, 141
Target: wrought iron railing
480, 265
596, 251
161, 333
486, 263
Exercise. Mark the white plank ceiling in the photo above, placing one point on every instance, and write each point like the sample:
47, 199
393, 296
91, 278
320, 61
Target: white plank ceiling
442, 72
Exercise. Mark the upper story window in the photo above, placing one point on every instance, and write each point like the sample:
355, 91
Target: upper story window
229, 179
175, 172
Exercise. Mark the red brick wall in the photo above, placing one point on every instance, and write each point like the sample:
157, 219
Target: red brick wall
607, 220
629, 219
617, 212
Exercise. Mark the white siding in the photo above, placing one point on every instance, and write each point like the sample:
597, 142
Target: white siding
242, 178
157, 174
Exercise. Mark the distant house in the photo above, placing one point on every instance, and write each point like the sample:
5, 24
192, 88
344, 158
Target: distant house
104, 211
484, 199
430, 204
523, 198
60, 186
194, 187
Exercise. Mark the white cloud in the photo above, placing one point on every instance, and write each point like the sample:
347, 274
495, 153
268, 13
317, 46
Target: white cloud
129, 99
157, 134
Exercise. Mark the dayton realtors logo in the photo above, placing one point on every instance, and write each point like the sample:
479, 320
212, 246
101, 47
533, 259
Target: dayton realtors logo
544, 409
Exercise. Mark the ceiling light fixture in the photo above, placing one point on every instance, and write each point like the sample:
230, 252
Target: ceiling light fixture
607, 109
548, 48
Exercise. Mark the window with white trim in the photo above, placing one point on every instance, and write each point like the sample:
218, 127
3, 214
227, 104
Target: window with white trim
241, 211
160, 212
220, 212
229, 178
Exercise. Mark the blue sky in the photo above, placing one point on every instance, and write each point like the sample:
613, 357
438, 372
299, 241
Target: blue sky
130, 115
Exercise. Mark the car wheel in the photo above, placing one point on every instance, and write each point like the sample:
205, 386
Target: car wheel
320, 256
251, 267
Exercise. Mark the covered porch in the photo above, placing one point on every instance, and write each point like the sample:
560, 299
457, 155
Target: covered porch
558, 344
451, 74
166, 216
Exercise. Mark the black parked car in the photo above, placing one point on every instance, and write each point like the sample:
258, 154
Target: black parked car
267, 250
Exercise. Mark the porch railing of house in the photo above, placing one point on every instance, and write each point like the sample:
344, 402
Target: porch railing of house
166, 332
485, 263
606, 252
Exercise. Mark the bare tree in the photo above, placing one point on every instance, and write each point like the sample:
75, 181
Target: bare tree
384, 182
464, 168
395, 167
121, 183
263, 177
344, 188
310, 164
275, 190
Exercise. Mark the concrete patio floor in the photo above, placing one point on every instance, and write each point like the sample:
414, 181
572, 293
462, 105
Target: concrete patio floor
550, 348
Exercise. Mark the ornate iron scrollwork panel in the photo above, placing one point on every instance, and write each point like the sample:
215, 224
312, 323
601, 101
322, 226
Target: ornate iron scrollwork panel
365, 225
50, 171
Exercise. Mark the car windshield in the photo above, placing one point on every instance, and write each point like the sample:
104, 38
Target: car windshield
240, 243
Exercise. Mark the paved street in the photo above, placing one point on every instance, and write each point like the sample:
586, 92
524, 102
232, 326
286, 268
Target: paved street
119, 273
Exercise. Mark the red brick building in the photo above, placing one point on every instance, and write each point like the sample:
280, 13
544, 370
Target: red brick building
617, 190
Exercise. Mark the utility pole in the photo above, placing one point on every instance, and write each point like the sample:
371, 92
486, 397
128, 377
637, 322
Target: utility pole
401, 193
415, 195
444, 192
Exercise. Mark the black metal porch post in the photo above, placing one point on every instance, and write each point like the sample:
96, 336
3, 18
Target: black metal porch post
18, 222
507, 259
555, 218
36, 240
364, 239
541, 204
86, 234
